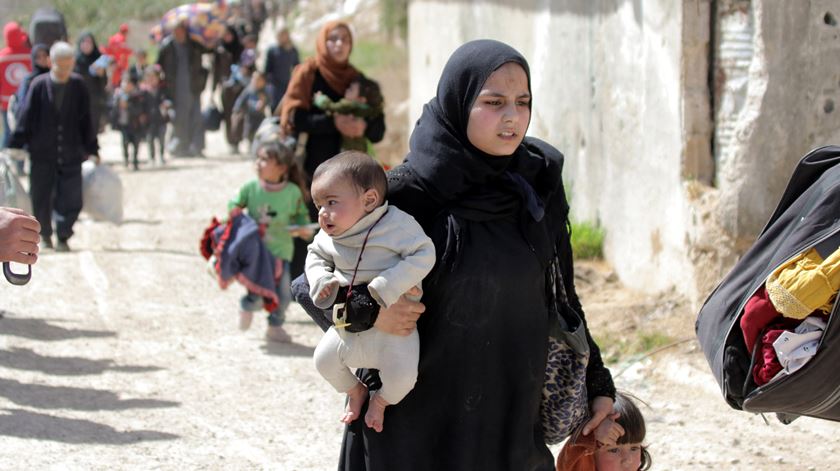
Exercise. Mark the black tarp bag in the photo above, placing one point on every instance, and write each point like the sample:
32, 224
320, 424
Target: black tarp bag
808, 216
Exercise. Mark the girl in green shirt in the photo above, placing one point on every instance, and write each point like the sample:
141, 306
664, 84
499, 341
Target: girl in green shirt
275, 200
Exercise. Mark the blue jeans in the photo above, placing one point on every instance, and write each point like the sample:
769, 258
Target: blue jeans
252, 302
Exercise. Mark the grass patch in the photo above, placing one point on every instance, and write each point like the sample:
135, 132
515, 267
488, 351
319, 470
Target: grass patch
371, 56
618, 347
587, 240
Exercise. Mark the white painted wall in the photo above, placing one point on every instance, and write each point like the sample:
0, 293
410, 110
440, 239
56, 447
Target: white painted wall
606, 79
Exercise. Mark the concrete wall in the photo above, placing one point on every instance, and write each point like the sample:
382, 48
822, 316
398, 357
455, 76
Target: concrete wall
787, 103
608, 84
680, 121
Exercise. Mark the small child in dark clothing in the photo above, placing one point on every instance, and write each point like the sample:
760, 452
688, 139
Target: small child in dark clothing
160, 111
362, 99
131, 115
253, 102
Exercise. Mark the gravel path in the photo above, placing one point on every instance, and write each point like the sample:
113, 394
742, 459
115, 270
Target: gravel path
124, 354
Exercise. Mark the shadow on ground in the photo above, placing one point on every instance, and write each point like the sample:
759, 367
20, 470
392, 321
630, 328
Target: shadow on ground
287, 350
42, 396
40, 329
29, 360
26, 424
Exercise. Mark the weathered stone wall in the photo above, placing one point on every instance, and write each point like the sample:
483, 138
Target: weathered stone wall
609, 91
781, 104
680, 121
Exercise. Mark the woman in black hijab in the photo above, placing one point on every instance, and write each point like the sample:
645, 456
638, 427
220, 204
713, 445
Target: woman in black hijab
87, 52
494, 205
225, 55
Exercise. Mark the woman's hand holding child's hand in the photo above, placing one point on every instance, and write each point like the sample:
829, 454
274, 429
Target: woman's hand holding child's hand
601, 408
609, 431
401, 317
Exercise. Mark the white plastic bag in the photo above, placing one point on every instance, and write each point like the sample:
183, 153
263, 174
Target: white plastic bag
101, 193
12, 193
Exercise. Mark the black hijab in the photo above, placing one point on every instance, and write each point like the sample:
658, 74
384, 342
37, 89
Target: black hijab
234, 47
37, 69
84, 61
469, 184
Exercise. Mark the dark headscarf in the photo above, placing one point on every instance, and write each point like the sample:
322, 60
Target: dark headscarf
84, 61
235, 46
37, 69
468, 183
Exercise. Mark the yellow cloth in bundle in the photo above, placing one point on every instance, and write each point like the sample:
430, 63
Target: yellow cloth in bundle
804, 284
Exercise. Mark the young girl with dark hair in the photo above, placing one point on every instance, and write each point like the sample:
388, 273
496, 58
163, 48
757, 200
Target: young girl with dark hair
616, 445
275, 201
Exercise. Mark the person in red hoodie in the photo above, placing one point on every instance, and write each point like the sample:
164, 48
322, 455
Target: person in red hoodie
119, 50
15, 65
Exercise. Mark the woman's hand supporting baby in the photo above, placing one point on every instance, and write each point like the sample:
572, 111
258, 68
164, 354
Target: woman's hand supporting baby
401, 317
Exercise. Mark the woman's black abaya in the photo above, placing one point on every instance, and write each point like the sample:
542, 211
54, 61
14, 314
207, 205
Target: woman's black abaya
497, 224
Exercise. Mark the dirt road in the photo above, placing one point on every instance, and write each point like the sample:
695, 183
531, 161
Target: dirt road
124, 354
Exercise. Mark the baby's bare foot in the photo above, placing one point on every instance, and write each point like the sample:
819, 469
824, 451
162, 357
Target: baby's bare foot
375, 416
355, 398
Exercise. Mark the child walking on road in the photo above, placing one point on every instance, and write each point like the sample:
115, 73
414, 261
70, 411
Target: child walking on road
275, 201
362, 241
132, 114
161, 109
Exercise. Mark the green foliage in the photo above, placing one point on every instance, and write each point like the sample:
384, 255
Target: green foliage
587, 240
370, 56
617, 347
102, 17
395, 17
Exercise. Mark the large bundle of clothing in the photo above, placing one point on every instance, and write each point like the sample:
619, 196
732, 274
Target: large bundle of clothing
768, 329
235, 251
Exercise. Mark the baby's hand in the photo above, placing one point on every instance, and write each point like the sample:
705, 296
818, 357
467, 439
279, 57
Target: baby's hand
327, 291
608, 431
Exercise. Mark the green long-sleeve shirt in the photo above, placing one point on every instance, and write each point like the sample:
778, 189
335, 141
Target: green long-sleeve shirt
274, 210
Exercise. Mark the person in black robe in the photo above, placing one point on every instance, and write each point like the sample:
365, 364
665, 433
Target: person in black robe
280, 60
225, 55
86, 54
499, 224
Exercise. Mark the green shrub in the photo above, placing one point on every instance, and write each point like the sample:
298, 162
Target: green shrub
618, 347
587, 240
371, 56
395, 17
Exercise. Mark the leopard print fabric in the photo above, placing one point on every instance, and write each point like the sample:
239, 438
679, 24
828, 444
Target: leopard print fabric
564, 400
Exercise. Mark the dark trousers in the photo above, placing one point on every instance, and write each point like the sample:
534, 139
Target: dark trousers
56, 192
157, 133
301, 246
130, 139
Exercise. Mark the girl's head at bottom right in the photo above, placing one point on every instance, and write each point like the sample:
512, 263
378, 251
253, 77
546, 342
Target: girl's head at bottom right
630, 452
